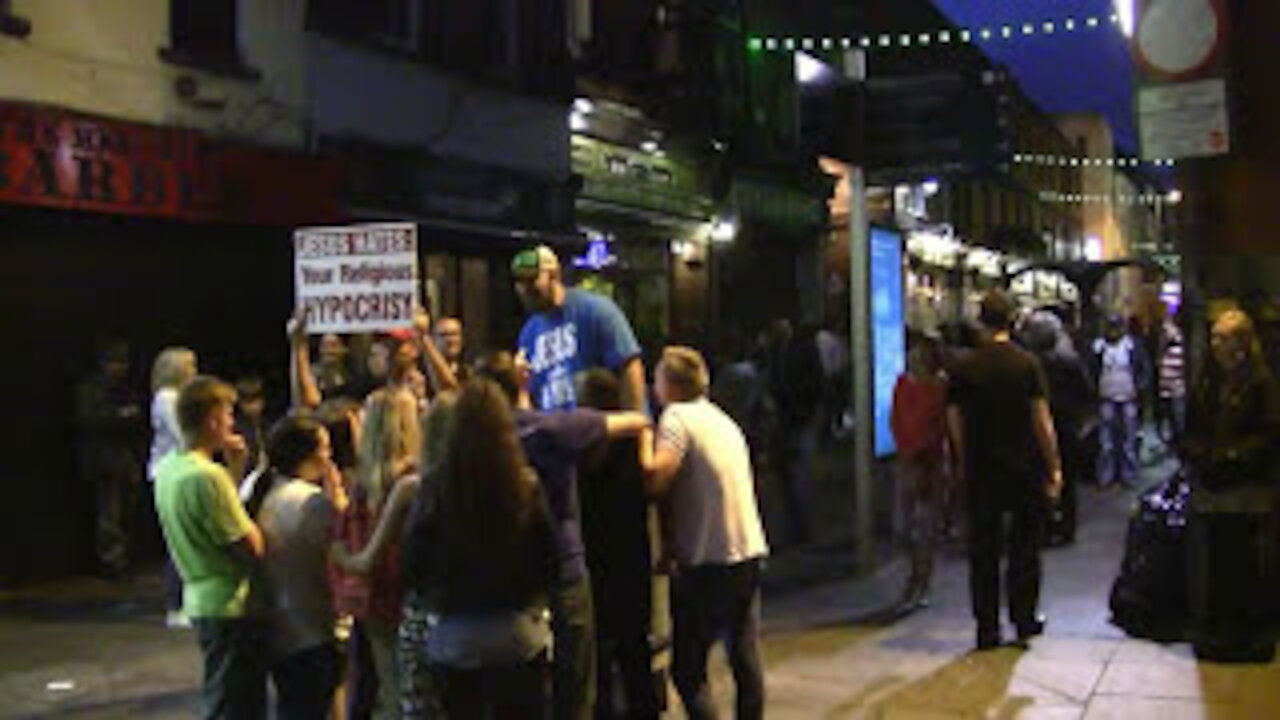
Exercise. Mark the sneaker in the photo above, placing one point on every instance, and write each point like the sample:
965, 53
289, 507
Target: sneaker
1031, 628
175, 620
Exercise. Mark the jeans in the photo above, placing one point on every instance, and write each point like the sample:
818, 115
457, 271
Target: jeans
117, 489
1118, 442
574, 658
708, 603
795, 445
362, 679
305, 682
989, 540
1176, 411
622, 614
235, 668
499, 692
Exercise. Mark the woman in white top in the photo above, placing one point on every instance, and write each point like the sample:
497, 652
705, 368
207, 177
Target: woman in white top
174, 367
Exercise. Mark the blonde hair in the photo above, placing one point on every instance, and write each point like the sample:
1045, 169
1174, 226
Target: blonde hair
686, 371
390, 442
173, 368
198, 399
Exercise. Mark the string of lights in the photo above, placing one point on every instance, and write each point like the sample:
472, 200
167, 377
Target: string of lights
1171, 198
945, 36
1069, 161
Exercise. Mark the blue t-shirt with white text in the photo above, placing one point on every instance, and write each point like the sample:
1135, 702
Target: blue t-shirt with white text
588, 331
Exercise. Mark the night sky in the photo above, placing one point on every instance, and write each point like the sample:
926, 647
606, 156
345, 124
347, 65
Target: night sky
1084, 71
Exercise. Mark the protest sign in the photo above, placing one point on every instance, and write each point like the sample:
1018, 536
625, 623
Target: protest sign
358, 278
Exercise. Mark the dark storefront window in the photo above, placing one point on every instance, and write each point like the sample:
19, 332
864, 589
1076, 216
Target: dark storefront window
205, 35
394, 25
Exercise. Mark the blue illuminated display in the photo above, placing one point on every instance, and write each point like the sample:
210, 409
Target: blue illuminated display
598, 255
888, 332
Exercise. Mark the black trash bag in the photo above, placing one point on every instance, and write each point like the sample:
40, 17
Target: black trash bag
1149, 598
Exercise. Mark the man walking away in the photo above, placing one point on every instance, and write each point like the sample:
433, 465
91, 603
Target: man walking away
998, 417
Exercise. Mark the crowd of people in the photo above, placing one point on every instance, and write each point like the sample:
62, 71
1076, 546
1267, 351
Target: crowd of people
421, 535
424, 536
998, 424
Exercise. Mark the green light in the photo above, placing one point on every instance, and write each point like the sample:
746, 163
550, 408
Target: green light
905, 41
789, 44
1049, 28
770, 44
755, 44
966, 36
944, 37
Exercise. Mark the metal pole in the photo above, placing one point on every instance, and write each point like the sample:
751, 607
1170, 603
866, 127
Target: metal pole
862, 358
860, 350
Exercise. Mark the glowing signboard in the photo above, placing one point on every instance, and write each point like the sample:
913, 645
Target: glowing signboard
888, 331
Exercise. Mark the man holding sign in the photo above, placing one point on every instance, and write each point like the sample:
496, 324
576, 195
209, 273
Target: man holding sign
356, 279
362, 278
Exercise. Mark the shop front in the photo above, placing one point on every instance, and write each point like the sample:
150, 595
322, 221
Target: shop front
649, 221
778, 266
154, 235
471, 219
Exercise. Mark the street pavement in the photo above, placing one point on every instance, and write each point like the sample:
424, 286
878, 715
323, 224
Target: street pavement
92, 649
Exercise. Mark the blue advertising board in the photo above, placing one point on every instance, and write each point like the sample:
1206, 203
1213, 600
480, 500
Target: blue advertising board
888, 331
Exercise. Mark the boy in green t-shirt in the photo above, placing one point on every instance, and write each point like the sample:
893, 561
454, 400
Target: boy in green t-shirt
215, 546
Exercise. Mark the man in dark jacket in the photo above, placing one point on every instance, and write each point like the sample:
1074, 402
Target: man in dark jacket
1070, 394
1003, 438
111, 438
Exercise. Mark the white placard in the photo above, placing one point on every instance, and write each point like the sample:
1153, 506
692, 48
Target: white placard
1184, 120
357, 278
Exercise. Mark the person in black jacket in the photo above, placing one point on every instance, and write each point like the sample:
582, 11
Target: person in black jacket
1233, 430
112, 429
615, 527
795, 378
1071, 391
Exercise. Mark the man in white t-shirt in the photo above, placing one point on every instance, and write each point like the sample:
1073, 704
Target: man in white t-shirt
699, 460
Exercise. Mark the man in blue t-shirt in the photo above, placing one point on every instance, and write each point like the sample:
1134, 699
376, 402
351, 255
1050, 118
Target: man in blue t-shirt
569, 332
